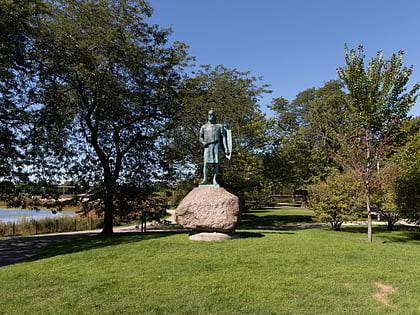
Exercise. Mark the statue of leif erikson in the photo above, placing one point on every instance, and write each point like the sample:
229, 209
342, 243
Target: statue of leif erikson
215, 138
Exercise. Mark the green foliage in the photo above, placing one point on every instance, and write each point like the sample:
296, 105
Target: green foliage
315, 113
378, 96
16, 29
244, 176
234, 96
106, 92
295, 164
407, 182
304, 135
397, 169
383, 203
134, 201
180, 190
50, 225
378, 104
336, 200
408, 195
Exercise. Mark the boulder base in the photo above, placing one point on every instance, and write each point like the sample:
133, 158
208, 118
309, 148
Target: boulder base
209, 209
214, 236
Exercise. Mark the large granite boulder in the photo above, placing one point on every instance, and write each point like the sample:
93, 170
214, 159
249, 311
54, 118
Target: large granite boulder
209, 209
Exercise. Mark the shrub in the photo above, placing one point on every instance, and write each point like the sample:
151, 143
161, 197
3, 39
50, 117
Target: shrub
336, 200
408, 195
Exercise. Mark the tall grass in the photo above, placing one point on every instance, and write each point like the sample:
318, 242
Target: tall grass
49, 225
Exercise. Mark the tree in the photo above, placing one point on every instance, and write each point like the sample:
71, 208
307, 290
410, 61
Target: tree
383, 193
407, 194
293, 164
394, 169
336, 200
378, 104
107, 82
304, 135
16, 31
234, 95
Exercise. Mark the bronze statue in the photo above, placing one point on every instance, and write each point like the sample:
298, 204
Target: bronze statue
215, 139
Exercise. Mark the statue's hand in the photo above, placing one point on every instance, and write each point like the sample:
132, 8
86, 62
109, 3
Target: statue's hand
206, 144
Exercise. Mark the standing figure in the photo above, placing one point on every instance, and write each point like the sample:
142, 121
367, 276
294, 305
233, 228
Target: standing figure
214, 138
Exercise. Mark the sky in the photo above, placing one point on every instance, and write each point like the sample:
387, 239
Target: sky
293, 45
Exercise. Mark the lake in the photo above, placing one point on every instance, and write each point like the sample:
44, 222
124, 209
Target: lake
17, 215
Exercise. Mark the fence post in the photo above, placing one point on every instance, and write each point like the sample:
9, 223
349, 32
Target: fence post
143, 221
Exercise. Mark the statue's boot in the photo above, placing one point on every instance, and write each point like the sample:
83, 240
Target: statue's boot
205, 173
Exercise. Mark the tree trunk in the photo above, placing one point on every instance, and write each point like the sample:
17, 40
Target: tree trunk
369, 217
108, 217
367, 185
109, 208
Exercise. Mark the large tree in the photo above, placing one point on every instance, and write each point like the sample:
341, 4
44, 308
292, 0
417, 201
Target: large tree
107, 82
234, 95
304, 133
378, 103
16, 31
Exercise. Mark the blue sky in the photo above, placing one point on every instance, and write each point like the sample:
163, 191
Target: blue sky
293, 44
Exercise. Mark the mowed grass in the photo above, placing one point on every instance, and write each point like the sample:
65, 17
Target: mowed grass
277, 216
308, 271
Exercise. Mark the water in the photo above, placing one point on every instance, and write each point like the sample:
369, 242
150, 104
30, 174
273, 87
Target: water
17, 215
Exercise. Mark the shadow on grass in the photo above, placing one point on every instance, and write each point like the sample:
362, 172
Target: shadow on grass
400, 233
93, 241
249, 219
250, 234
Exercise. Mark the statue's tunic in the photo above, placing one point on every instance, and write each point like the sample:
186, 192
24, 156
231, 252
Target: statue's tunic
211, 135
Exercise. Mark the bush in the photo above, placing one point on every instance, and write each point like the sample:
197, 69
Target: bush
408, 195
336, 200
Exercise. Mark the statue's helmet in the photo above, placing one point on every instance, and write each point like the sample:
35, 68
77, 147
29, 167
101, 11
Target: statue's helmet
212, 112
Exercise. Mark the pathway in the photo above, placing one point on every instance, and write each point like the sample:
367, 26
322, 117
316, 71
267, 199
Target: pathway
17, 249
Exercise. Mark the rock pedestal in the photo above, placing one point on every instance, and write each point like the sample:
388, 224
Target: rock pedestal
209, 209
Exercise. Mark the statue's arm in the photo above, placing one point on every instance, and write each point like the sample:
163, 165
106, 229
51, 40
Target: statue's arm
202, 136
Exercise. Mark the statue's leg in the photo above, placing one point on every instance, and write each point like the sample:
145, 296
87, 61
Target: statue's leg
205, 173
216, 171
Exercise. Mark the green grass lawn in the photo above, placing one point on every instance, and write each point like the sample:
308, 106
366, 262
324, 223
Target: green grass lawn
310, 271
277, 216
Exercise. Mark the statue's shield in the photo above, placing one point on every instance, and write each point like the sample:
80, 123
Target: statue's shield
229, 142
